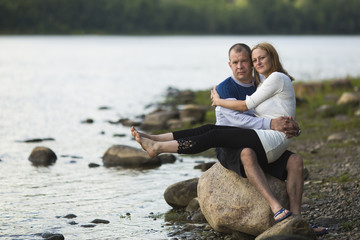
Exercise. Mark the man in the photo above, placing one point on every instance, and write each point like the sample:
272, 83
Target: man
288, 167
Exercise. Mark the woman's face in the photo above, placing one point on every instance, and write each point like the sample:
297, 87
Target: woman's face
262, 62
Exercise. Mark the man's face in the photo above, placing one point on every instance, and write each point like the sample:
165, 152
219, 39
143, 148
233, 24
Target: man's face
240, 65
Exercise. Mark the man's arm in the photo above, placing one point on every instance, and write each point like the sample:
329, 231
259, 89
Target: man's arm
244, 120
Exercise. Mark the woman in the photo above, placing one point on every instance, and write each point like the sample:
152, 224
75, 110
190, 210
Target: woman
273, 98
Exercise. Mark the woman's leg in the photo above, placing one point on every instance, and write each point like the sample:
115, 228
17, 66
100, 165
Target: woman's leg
218, 137
159, 137
178, 134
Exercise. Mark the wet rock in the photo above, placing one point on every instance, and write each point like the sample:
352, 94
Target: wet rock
126, 156
93, 165
102, 221
104, 108
290, 227
88, 225
52, 236
158, 120
88, 121
42, 156
167, 158
128, 122
178, 195
36, 140
70, 216
119, 135
348, 98
73, 223
238, 206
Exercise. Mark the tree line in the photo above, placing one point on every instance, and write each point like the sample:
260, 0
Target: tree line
179, 17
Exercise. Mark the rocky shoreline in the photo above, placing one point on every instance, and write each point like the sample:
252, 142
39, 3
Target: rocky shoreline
329, 115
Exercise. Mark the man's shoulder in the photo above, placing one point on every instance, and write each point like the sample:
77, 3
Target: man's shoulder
226, 88
226, 82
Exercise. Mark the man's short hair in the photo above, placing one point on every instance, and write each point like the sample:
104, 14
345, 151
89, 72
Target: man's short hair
238, 47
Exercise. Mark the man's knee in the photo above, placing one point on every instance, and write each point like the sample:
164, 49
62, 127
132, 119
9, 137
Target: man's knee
248, 156
295, 163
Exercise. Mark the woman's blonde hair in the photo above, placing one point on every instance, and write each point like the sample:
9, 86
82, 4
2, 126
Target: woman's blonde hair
275, 60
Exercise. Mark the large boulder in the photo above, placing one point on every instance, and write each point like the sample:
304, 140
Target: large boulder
179, 195
126, 156
42, 156
230, 203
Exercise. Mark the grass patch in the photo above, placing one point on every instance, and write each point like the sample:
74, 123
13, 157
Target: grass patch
344, 177
348, 226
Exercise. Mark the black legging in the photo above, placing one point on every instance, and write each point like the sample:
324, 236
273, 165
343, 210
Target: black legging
199, 139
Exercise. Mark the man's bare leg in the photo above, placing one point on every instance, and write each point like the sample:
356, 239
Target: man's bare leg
295, 182
154, 148
159, 137
257, 178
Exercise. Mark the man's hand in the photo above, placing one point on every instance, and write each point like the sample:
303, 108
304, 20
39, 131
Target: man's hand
286, 125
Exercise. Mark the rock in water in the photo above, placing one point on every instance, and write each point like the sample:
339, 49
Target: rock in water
178, 195
126, 156
42, 156
230, 203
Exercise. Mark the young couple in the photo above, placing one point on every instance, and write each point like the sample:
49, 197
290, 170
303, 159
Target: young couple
253, 129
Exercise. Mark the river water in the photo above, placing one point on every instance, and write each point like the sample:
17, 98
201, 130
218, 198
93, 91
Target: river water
50, 84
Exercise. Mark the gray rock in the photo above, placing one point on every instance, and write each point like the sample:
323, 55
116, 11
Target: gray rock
341, 83
325, 111
178, 195
195, 112
348, 98
337, 137
70, 216
52, 236
102, 221
158, 120
294, 227
193, 205
167, 158
126, 156
42, 156
230, 203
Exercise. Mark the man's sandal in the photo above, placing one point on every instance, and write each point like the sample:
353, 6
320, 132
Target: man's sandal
323, 232
280, 212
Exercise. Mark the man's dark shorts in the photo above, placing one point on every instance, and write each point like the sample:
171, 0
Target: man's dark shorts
230, 159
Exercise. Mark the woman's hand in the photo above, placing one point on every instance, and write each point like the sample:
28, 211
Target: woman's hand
214, 96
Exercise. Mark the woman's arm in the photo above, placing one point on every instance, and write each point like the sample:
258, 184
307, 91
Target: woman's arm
230, 104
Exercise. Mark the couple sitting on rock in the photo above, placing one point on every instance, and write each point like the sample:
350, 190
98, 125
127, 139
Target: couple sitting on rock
254, 126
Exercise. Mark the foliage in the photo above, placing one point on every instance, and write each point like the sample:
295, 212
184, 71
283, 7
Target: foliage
179, 17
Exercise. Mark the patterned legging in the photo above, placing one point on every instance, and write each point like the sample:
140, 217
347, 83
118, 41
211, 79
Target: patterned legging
199, 139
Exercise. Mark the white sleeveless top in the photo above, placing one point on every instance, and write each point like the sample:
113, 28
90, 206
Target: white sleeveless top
273, 98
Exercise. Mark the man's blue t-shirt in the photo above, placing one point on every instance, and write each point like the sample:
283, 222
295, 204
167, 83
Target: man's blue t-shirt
231, 89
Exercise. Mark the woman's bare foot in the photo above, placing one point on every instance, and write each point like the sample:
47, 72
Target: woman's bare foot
147, 144
143, 135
